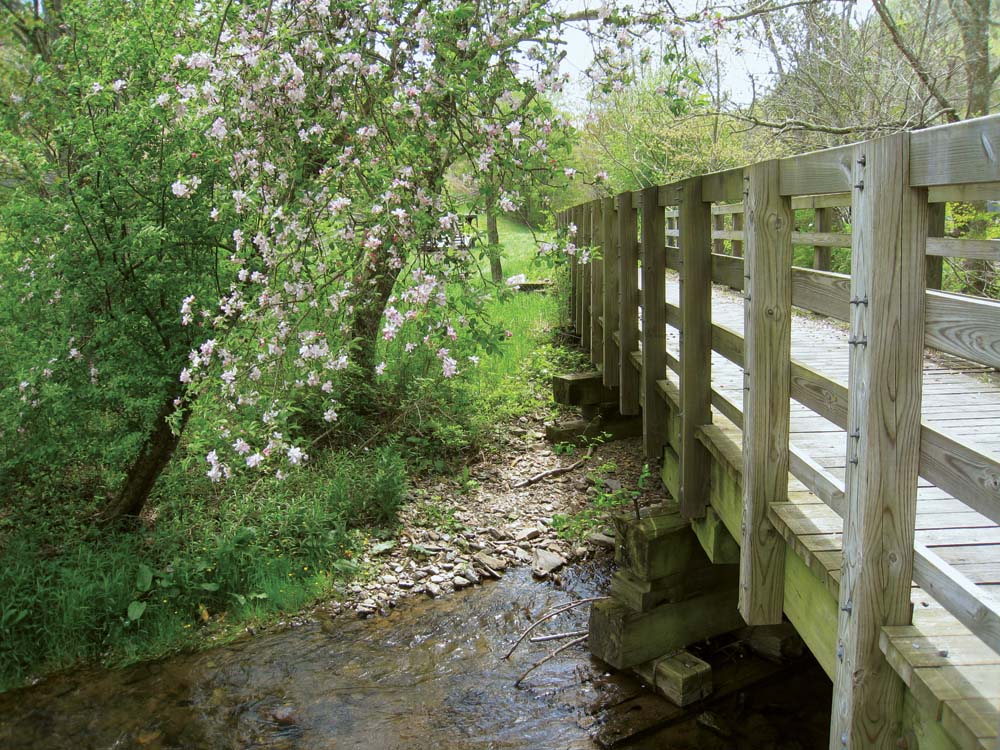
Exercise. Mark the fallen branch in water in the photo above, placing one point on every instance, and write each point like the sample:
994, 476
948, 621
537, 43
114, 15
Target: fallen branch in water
549, 616
554, 654
557, 636
553, 472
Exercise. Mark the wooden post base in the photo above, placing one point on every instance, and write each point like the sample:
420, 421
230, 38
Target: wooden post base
682, 678
582, 389
623, 637
642, 596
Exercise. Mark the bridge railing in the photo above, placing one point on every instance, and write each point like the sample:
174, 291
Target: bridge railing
896, 188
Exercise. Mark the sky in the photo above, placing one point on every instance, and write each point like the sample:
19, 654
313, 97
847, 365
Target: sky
741, 62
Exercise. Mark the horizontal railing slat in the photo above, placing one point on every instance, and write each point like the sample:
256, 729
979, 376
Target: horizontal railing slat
968, 327
951, 247
826, 171
958, 153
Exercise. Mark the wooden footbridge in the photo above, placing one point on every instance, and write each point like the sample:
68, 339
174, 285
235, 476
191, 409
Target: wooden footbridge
844, 430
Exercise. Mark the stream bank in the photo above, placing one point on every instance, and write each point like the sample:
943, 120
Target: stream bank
412, 655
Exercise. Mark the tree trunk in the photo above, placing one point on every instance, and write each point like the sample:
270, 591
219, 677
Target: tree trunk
367, 321
973, 24
153, 458
493, 243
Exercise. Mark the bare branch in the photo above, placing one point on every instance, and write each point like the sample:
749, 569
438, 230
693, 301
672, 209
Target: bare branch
553, 655
951, 113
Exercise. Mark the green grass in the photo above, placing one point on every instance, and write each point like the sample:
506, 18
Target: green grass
210, 560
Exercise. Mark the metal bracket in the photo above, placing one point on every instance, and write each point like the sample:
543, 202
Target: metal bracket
860, 301
862, 341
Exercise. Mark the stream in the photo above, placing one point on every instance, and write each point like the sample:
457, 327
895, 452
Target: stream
430, 675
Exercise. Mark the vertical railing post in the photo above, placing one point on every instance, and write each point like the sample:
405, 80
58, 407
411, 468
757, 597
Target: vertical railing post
574, 268
609, 234
695, 225
570, 269
585, 278
935, 228
822, 254
628, 310
737, 244
718, 225
654, 323
577, 216
596, 286
767, 334
889, 242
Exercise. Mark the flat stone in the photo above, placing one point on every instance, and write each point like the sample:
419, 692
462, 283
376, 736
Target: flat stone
433, 589
460, 582
489, 561
545, 562
523, 555
597, 539
526, 535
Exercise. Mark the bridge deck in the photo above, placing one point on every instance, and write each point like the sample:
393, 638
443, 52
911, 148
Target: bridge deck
951, 672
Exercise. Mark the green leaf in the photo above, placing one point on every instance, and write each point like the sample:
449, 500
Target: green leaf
135, 610
143, 579
381, 547
209, 587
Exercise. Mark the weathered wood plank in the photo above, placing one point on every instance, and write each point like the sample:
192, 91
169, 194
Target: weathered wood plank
957, 153
985, 191
727, 270
979, 612
628, 304
767, 351
968, 327
887, 269
722, 187
970, 475
828, 171
951, 247
822, 238
823, 292
728, 343
654, 361
609, 230
696, 345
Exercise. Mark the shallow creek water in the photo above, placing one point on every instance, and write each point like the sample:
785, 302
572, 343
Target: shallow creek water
430, 675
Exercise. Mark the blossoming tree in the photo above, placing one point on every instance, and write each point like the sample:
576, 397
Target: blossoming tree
237, 209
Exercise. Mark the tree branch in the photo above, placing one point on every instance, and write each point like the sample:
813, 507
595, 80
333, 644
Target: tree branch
897, 38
